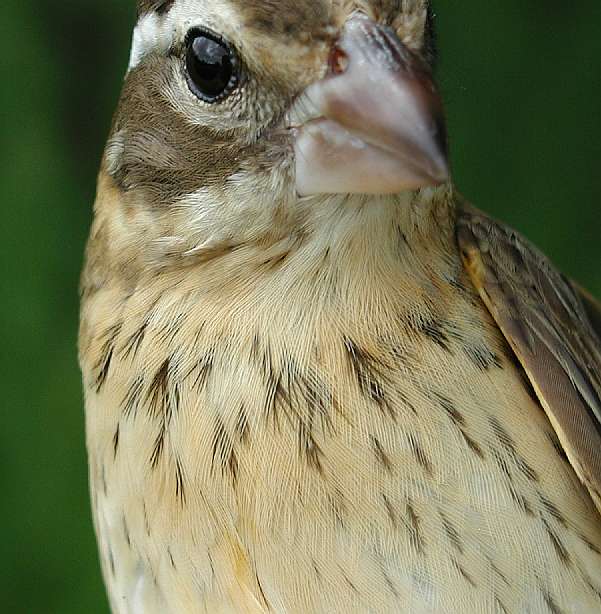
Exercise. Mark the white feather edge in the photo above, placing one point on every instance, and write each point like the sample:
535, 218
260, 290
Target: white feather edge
156, 33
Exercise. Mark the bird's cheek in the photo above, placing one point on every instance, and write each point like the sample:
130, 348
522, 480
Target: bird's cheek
377, 122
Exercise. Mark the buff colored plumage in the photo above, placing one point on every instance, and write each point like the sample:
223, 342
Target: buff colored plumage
303, 404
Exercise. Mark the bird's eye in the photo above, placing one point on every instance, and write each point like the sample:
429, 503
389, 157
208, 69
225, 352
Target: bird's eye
211, 65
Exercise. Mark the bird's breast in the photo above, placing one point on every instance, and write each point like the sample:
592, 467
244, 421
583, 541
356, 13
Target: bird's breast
293, 455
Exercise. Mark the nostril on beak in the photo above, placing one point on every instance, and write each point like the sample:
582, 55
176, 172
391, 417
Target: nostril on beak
338, 60
378, 125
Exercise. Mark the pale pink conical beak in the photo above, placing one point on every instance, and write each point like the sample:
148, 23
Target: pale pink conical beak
378, 124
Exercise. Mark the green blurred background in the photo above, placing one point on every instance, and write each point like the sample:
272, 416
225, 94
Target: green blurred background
522, 82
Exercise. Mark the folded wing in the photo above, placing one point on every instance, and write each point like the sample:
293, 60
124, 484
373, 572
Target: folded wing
554, 328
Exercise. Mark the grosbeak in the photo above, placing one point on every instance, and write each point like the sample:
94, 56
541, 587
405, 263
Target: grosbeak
316, 379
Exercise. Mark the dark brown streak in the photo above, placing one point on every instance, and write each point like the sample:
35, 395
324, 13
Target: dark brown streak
472, 445
381, 455
509, 445
468, 294
223, 450
501, 605
526, 383
157, 448
203, 369
168, 331
310, 449
211, 564
302, 393
302, 397
116, 437
275, 395
451, 410
348, 581
420, 455
459, 421
463, 572
522, 503
390, 512
111, 560
553, 510
390, 583
275, 392
262, 592
308, 389
134, 341
593, 588
146, 521
482, 357
126, 532
157, 394
461, 288
435, 331
415, 528
163, 400
519, 500
277, 261
316, 570
550, 601
242, 428
558, 447
499, 573
338, 507
403, 243
452, 533
180, 489
132, 398
369, 375
503, 467
403, 398
107, 352
560, 549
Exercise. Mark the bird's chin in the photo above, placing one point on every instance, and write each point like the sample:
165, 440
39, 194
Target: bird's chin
332, 160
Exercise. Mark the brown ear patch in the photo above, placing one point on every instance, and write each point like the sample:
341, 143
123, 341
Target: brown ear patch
156, 149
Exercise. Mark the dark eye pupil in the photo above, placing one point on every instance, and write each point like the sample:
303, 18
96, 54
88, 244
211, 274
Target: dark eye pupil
210, 63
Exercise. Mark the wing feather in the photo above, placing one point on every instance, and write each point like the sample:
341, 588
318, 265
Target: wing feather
554, 328
592, 308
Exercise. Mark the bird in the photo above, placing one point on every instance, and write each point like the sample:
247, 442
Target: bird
316, 378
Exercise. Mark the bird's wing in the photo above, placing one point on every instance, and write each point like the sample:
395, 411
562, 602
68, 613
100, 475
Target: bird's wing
554, 328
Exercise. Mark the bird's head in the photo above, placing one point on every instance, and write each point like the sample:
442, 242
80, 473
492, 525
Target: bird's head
239, 117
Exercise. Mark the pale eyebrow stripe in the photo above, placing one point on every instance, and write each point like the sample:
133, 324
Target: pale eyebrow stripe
149, 35
157, 30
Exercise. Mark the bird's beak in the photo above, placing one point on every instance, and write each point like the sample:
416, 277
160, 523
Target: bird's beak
377, 122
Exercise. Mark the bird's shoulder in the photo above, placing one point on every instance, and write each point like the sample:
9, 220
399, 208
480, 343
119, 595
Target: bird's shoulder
552, 325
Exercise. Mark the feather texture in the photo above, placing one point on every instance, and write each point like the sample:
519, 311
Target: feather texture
548, 322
